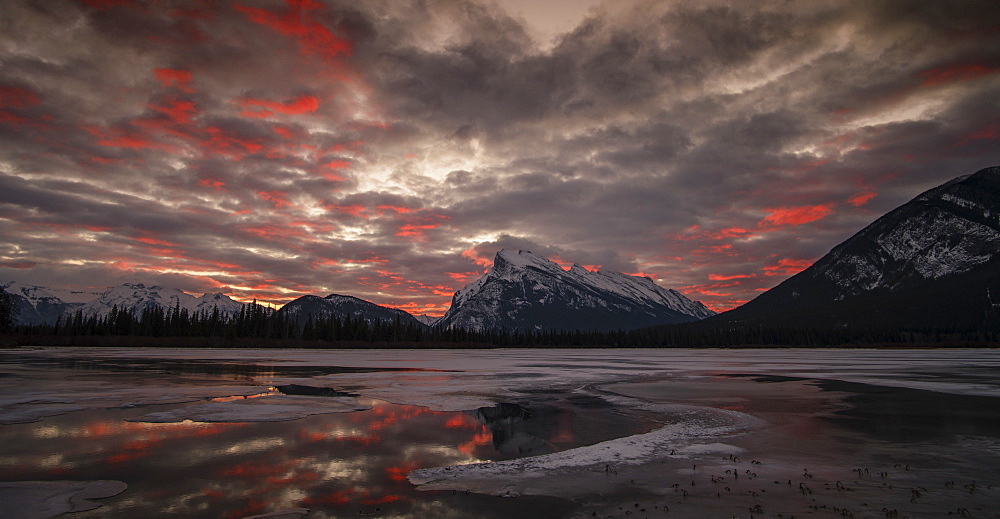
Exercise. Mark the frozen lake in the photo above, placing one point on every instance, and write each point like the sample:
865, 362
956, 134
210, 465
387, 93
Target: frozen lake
553, 433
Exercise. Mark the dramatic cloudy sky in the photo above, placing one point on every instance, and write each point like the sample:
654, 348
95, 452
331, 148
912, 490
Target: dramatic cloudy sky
388, 148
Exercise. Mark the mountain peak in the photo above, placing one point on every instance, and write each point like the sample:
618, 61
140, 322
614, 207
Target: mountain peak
932, 261
524, 290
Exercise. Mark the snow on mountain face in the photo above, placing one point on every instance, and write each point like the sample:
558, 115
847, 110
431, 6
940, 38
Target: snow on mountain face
931, 262
135, 297
35, 304
526, 291
428, 320
946, 231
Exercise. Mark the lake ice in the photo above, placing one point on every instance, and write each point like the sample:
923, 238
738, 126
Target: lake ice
441, 433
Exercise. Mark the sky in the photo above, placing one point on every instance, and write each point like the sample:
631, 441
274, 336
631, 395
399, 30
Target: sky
387, 149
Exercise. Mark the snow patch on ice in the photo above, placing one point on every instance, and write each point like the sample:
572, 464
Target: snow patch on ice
697, 423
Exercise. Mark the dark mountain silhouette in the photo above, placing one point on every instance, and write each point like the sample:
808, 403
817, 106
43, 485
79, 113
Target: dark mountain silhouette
932, 263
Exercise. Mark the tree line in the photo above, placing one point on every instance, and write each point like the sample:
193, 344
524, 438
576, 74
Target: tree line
255, 324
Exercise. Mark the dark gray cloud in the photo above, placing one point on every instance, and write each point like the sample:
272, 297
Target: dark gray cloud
387, 149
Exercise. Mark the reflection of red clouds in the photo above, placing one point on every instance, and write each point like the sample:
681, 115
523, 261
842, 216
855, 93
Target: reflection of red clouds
335, 498
382, 500
254, 507
212, 493
258, 470
138, 440
399, 473
564, 430
296, 478
462, 421
479, 439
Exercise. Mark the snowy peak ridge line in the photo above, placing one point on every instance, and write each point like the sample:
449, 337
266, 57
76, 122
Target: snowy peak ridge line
35, 304
931, 262
523, 290
136, 297
639, 288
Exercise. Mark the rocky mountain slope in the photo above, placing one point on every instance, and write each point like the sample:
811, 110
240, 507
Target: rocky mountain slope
35, 304
340, 306
933, 262
527, 291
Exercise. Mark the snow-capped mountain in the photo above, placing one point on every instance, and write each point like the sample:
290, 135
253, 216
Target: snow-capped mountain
335, 304
527, 291
135, 297
429, 320
932, 262
35, 304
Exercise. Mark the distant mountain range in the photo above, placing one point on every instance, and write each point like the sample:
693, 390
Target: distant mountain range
136, 297
521, 291
932, 263
525, 291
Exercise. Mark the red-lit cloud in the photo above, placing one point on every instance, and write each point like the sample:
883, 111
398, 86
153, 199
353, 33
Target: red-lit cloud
786, 267
276, 149
781, 216
180, 79
298, 23
261, 108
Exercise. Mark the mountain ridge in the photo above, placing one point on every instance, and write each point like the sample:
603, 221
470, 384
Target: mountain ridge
931, 262
526, 291
341, 305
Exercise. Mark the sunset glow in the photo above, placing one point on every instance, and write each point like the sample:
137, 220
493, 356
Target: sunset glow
387, 150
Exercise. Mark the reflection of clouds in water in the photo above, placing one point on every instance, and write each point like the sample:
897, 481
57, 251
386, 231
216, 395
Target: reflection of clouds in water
349, 461
342, 461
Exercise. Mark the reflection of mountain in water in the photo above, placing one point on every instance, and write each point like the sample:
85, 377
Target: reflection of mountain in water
517, 430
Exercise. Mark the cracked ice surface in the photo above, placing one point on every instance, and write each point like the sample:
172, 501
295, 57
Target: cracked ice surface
270, 409
43, 499
449, 380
